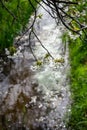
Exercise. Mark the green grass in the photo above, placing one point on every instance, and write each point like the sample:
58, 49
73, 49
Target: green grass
10, 27
78, 61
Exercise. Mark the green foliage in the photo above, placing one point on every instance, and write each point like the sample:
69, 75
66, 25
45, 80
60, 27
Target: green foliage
39, 63
10, 26
12, 50
79, 12
40, 16
47, 55
78, 60
61, 60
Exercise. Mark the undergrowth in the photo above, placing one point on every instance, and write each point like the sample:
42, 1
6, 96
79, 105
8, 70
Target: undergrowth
10, 27
78, 62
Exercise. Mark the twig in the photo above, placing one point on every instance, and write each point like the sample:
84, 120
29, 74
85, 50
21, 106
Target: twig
9, 11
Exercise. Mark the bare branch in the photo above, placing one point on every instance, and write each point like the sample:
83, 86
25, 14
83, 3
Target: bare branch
42, 45
9, 11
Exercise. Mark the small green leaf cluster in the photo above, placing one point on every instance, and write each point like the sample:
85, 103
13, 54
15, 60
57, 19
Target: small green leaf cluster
12, 50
